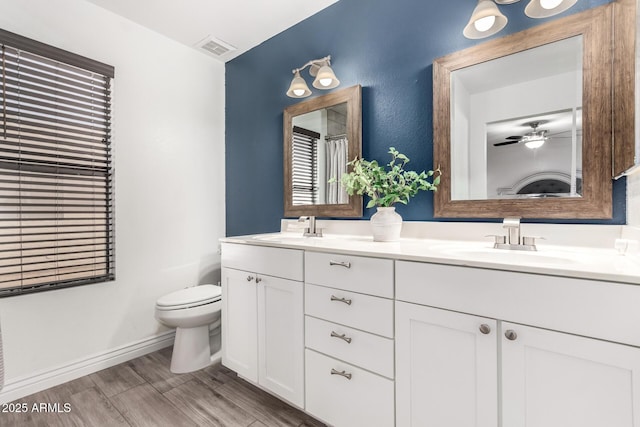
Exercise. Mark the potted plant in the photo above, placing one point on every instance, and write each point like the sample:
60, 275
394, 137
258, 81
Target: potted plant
387, 185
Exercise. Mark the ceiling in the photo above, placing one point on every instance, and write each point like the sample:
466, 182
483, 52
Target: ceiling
242, 24
543, 61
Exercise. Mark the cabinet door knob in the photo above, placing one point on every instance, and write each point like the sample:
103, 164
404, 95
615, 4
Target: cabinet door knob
340, 263
342, 337
341, 373
258, 280
485, 329
249, 278
511, 335
344, 300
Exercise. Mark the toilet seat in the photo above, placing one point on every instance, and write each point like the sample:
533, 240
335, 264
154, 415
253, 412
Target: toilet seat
190, 297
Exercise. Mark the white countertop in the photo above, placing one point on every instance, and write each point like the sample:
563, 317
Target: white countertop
584, 262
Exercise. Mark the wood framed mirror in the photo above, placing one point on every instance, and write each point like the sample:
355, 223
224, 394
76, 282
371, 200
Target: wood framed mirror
320, 136
482, 131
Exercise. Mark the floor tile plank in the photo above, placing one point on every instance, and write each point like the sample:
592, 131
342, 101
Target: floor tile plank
47, 408
144, 406
206, 407
263, 406
154, 368
215, 376
116, 379
95, 409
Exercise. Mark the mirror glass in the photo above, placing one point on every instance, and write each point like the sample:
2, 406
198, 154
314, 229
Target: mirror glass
522, 124
320, 150
321, 135
516, 125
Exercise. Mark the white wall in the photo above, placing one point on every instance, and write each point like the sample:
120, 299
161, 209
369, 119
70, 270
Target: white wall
460, 151
168, 127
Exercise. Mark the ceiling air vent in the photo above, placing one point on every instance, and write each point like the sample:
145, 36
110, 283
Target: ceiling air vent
214, 47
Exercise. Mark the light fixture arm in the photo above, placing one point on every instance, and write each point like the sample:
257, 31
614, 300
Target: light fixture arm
315, 65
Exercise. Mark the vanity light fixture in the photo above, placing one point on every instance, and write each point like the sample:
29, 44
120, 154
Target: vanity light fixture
487, 19
324, 78
546, 8
298, 88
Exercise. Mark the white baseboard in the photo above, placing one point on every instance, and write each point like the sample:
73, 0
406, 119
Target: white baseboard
33, 383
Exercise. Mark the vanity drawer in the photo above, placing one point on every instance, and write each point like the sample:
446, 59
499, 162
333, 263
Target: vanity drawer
373, 276
371, 314
371, 352
365, 399
590, 308
278, 262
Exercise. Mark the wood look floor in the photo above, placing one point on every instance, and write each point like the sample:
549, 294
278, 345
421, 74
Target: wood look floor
143, 392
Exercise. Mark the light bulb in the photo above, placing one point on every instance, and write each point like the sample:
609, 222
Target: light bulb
325, 82
535, 143
483, 24
550, 4
298, 92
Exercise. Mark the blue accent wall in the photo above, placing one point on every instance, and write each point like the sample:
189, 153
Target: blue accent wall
387, 46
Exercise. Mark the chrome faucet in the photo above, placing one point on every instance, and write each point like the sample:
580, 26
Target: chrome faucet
513, 240
312, 230
513, 227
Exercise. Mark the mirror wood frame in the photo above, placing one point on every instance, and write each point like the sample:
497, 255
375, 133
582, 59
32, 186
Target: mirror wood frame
353, 97
596, 201
624, 86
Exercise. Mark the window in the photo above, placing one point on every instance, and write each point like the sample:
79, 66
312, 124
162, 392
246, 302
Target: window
56, 174
305, 166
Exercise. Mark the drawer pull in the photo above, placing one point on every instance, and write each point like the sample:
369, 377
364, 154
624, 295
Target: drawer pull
342, 337
249, 278
511, 335
344, 300
340, 263
341, 373
258, 280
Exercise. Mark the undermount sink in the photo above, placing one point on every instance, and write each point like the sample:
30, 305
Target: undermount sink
281, 237
489, 254
291, 238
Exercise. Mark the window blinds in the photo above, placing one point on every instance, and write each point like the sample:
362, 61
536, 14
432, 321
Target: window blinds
56, 185
304, 166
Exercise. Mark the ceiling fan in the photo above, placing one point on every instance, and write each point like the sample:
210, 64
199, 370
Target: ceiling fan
534, 139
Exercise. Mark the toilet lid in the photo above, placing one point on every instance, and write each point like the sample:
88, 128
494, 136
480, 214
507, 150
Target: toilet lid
199, 295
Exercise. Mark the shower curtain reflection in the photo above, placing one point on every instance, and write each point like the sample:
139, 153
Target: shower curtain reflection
337, 156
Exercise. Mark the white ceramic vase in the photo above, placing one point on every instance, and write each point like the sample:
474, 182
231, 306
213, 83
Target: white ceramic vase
386, 225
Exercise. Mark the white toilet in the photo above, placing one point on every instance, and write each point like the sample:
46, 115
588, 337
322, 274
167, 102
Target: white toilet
193, 312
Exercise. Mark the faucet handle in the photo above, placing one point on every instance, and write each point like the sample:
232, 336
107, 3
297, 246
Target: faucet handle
498, 239
531, 240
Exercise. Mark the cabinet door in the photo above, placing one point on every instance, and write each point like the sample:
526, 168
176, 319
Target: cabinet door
239, 323
552, 379
446, 368
281, 337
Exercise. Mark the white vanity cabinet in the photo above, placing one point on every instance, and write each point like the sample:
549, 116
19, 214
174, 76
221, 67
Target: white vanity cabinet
446, 368
262, 317
349, 357
555, 379
474, 348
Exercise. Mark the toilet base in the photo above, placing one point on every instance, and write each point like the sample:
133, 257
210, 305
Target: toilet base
191, 350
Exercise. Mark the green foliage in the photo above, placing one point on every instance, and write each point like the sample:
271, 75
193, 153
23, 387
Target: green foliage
387, 187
